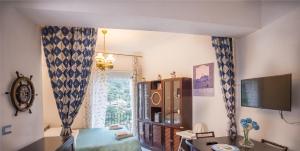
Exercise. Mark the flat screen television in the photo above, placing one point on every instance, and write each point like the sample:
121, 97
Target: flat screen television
274, 92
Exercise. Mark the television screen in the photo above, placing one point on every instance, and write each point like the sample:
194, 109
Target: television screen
268, 92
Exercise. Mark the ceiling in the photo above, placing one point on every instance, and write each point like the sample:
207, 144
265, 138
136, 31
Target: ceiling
214, 17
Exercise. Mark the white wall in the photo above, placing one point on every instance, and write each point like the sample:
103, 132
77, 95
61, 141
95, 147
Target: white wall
273, 50
20, 51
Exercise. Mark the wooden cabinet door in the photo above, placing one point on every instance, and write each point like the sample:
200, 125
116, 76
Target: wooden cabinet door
147, 101
143, 100
172, 141
176, 139
141, 132
157, 141
148, 134
140, 97
168, 139
167, 102
176, 110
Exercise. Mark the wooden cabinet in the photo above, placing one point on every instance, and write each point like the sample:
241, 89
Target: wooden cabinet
164, 107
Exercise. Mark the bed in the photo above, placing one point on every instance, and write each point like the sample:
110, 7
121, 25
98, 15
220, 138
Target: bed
98, 139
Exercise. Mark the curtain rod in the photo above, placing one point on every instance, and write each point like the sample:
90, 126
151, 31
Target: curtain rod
121, 54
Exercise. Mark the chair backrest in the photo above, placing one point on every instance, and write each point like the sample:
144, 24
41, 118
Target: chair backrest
283, 148
192, 148
199, 128
205, 134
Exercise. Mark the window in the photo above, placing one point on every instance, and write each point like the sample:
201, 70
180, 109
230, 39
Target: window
119, 110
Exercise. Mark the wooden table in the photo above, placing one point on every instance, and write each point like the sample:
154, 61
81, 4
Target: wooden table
201, 145
51, 144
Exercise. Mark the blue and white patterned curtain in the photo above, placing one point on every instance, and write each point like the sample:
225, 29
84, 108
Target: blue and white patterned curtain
68, 52
224, 54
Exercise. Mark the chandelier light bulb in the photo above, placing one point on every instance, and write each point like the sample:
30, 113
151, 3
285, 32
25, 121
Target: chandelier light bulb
99, 56
110, 58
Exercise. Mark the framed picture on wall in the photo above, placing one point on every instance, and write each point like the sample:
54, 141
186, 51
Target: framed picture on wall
203, 80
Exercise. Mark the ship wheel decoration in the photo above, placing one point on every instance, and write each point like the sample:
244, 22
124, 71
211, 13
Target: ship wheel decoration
22, 93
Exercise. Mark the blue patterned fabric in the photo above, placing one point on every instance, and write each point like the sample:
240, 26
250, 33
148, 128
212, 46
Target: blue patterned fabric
69, 52
224, 54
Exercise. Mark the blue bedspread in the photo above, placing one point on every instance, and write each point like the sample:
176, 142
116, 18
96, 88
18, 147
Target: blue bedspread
102, 139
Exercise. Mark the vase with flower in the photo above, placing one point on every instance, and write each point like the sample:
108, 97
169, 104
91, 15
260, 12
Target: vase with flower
248, 124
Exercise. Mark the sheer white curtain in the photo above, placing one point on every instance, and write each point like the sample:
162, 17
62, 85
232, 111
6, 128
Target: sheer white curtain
96, 102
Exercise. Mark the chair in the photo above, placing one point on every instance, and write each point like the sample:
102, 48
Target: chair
199, 128
283, 148
205, 134
192, 148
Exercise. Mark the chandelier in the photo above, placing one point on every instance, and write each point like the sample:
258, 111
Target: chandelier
104, 60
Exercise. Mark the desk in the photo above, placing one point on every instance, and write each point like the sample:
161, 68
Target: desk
51, 144
200, 144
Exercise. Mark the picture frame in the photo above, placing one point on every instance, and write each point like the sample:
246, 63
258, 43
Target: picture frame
203, 80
